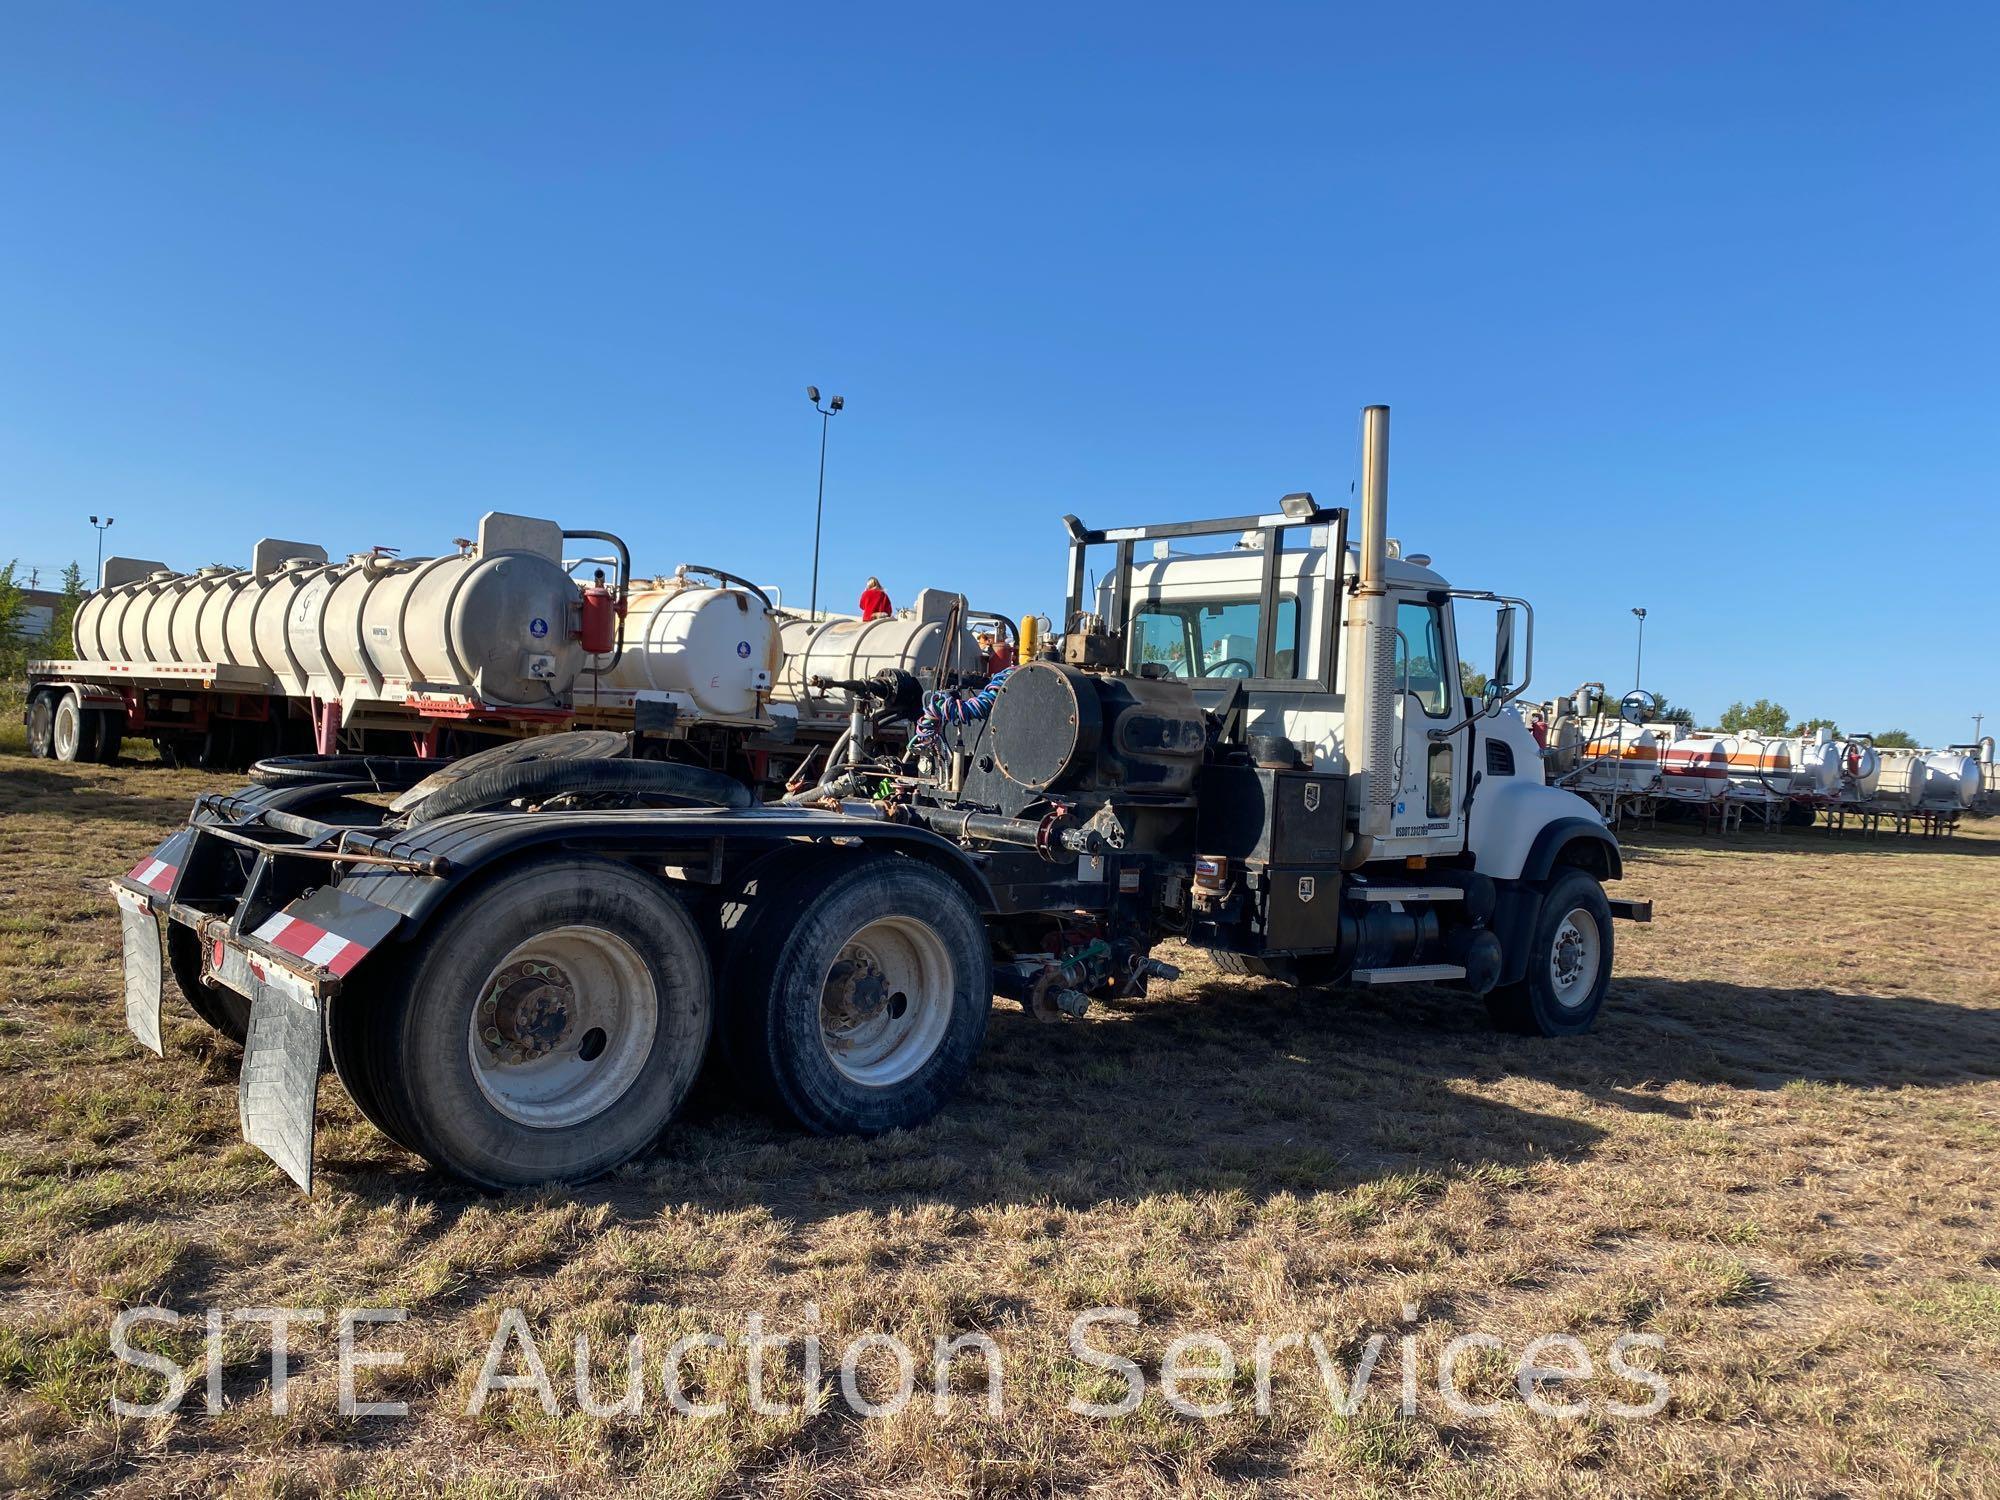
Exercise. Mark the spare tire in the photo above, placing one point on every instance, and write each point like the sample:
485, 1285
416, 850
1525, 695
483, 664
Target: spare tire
575, 744
540, 780
384, 772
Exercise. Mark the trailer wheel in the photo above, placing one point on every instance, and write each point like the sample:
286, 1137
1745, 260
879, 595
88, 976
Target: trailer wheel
109, 734
547, 1029
41, 722
68, 738
1569, 963
225, 1011
864, 1010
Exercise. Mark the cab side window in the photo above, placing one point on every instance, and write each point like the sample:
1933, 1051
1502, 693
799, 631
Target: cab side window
1422, 664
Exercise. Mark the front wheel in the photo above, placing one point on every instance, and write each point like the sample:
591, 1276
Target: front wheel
1569, 963
861, 1009
547, 1030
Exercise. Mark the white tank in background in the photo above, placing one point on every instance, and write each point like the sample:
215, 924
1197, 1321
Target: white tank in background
1860, 770
1902, 779
1816, 765
716, 644
495, 622
147, 613
916, 641
1620, 756
1951, 779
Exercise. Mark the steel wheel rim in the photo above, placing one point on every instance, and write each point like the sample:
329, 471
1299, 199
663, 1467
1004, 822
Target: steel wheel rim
1574, 957
886, 1001
67, 732
561, 1027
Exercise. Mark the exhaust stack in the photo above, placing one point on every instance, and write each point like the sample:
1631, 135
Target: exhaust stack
1371, 639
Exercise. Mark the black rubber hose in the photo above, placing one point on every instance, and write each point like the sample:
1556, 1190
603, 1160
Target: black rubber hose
384, 772
540, 780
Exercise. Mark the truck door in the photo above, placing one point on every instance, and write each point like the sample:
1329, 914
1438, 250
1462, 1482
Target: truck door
1428, 815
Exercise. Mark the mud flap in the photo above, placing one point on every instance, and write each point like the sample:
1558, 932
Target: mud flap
142, 968
277, 1094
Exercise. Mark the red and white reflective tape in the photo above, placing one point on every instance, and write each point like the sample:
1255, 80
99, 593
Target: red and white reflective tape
154, 874
315, 945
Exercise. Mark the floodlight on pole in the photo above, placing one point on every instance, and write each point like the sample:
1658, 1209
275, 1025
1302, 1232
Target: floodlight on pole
819, 504
102, 527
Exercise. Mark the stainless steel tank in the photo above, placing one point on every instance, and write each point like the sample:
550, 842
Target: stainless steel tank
914, 640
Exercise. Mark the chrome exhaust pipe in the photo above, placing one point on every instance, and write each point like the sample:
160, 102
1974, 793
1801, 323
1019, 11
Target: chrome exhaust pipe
1371, 626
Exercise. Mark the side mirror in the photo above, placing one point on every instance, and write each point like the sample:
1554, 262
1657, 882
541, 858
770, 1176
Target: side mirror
1637, 706
1502, 675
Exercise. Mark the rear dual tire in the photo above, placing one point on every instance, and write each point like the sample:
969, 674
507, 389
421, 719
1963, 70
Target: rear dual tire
546, 1029
857, 1003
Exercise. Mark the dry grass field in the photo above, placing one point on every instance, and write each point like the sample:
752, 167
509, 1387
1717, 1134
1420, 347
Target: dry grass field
1779, 1154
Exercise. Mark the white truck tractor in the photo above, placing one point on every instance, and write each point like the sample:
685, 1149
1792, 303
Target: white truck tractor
1250, 737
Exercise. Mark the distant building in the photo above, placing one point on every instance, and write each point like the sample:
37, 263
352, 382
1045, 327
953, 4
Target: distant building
38, 613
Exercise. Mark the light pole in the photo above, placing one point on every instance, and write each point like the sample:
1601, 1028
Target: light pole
102, 527
819, 505
1639, 666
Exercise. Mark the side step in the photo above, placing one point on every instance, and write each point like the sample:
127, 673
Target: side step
1414, 974
1406, 892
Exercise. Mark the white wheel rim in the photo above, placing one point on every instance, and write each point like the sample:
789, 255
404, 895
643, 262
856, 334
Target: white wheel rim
68, 730
1574, 957
562, 1027
886, 1001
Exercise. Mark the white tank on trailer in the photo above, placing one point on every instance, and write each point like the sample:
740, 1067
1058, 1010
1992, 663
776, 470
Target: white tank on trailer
716, 644
495, 621
845, 649
1903, 778
1816, 764
1951, 779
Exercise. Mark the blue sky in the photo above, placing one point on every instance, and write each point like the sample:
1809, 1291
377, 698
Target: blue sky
1686, 306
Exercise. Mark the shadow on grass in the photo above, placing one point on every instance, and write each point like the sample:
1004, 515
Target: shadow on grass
1258, 1090
1977, 837
28, 788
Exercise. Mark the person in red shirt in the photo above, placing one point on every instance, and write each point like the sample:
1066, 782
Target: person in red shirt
1001, 657
875, 603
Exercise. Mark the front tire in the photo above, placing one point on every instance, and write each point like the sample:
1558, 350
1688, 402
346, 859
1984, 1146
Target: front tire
1569, 963
862, 1009
546, 1030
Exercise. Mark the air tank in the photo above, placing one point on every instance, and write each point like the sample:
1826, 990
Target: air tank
913, 640
717, 645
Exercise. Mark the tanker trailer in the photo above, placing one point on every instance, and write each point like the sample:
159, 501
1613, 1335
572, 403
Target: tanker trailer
222, 665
